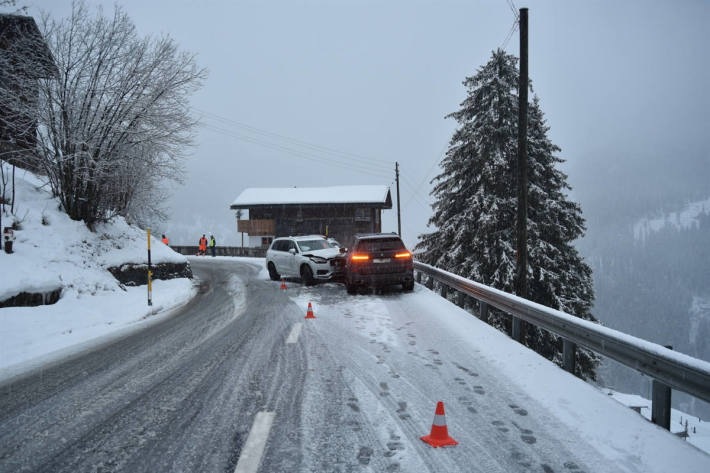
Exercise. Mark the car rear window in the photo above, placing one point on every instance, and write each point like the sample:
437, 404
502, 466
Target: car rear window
280, 245
312, 245
380, 244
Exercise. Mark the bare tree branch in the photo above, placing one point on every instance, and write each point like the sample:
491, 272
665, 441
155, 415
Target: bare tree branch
112, 121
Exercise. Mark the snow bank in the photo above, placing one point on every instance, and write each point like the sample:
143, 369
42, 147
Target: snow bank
32, 336
51, 252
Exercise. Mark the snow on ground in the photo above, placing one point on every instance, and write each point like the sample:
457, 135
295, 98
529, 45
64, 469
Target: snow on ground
51, 251
698, 430
32, 336
683, 219
415, 349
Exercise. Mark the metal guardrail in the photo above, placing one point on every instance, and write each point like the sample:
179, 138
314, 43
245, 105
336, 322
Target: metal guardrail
666, 367
222, 251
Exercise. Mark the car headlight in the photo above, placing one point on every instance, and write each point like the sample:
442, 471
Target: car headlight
318, 259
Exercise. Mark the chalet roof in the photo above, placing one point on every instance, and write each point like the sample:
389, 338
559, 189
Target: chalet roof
19, 35
370, 195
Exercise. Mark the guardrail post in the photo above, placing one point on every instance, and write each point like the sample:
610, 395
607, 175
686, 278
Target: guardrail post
484, 312
444, 291
419, 277
430, 282
461, 300
569, 350
515, 331
661, 403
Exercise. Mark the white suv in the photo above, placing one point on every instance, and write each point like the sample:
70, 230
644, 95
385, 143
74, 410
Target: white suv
306, 257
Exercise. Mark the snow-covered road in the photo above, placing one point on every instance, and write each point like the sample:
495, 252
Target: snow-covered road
351, 391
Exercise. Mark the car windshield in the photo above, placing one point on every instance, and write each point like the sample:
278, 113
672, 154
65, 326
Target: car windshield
312, 245
380, 244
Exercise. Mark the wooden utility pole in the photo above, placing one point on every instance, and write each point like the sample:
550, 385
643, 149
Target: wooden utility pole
522, 229
399, 216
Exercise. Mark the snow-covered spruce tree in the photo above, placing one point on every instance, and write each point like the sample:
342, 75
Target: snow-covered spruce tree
475, 208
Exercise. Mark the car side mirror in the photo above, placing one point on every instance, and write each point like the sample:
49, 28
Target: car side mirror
292, 251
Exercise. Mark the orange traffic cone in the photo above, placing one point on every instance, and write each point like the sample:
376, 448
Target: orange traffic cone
439, 436
283, 283
309, 312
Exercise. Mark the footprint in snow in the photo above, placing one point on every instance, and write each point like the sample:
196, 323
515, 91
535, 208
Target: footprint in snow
364, 455
518, 410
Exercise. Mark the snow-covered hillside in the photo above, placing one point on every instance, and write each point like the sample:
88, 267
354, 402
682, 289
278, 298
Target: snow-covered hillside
53, 252
683, 219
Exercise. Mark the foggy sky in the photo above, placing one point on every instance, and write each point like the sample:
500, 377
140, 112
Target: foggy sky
623, 86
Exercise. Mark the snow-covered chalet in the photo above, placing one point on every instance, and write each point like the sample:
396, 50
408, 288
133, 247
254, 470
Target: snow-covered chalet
336, 211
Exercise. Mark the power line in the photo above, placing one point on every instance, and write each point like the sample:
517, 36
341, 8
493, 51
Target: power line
514, 9
426, 176
316, 154
295, 151
514, 27
292, 151
295, 141
510, 34
415, 191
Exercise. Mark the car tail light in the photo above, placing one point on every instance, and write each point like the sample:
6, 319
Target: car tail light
359, 257
403, 254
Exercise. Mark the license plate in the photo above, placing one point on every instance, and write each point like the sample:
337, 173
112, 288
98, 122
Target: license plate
381, 260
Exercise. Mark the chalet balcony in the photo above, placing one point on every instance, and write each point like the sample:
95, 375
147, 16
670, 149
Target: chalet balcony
264, 227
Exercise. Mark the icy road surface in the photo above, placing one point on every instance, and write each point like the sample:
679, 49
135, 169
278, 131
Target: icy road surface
351, 391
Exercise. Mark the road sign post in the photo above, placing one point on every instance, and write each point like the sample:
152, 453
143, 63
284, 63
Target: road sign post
150, 274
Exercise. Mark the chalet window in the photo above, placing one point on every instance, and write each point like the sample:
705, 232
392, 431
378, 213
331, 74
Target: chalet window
362, 214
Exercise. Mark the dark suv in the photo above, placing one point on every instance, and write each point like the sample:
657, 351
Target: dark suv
378, 259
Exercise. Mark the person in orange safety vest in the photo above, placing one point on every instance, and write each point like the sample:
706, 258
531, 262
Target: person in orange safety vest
203, 246
165, 240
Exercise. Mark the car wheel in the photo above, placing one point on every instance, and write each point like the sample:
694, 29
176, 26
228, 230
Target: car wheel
408, 286
273, 274
351, 288
307, 275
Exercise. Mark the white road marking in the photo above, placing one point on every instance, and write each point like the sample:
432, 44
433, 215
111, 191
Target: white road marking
295, 332
253, 449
